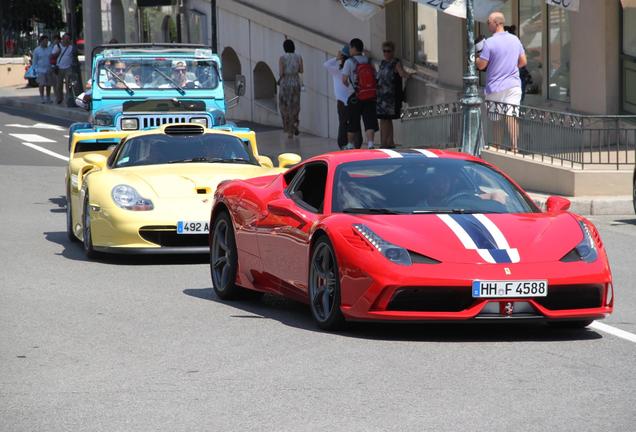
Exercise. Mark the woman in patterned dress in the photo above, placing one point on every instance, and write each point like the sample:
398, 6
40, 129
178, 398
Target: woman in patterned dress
390, 94
290, 66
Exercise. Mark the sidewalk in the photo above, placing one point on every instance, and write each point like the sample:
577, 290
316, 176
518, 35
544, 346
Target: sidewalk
272, 141
28, 99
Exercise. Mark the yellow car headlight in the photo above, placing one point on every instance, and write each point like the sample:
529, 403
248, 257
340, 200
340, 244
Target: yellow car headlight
128, 198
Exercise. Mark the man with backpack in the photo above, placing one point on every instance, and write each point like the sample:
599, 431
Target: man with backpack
360, 73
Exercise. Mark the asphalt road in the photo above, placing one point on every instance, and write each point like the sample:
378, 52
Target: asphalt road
144, 345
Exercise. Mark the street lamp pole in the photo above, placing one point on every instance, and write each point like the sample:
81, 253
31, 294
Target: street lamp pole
471, 102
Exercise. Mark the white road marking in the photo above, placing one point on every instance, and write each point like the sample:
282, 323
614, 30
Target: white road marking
613, 331
37, 126
31, 138
46, 151
65, 136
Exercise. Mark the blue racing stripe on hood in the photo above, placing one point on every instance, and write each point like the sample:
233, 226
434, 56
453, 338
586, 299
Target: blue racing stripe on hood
476, 230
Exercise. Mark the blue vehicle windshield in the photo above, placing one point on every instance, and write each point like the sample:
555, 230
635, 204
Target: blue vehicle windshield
157, 73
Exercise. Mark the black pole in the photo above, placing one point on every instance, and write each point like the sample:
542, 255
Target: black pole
213, 20
1, 31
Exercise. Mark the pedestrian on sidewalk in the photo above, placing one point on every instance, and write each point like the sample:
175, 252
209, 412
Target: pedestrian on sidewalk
359, 73
390, 93
67, 63
502, 56
42, 64
342, 92
290, 66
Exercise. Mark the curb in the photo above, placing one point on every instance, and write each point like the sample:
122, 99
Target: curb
52, 110
593, 206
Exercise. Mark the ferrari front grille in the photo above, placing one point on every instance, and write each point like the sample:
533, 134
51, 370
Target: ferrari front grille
431, 299
562, 297
167, 236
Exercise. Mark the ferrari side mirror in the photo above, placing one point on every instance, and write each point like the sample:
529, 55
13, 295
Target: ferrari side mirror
556, 204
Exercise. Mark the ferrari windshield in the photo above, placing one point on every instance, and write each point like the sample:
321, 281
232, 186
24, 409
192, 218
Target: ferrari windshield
413, 184
157, 73
165, 149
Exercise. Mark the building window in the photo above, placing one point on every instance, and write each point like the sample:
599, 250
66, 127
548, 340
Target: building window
629, 57
531, 35
426, 37
559, 54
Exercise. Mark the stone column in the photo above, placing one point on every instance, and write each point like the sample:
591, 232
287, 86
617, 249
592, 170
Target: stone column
92, 15
594, 57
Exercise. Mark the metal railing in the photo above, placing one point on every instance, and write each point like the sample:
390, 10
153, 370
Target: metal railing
567, 139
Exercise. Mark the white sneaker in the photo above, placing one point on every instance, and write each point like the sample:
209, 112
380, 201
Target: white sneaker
370, 146
349, 146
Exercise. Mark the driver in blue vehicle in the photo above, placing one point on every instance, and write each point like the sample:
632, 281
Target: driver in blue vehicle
115, 75
181, 76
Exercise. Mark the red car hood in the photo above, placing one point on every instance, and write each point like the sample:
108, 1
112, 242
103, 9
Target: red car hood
488, 238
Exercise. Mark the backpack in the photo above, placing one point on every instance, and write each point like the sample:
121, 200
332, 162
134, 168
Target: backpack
365, 83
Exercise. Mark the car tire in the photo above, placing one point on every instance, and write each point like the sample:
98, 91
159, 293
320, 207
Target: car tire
69, 219
87, 231
574, 324
324, 286
224, 259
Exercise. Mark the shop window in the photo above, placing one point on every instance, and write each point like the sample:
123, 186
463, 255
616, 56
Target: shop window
531, 35
264, 85
559, 54
231, 64
629, 56
426, 36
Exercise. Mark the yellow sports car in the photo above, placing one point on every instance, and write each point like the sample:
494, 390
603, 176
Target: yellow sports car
152, 191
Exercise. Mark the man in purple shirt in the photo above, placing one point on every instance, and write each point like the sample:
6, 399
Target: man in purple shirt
502, 56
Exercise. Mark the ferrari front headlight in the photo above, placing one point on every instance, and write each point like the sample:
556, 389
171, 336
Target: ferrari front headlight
393, 253
128, 198
585, 250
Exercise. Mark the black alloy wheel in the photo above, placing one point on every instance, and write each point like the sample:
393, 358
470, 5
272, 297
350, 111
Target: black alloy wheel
86, 230
224, 258
324, 286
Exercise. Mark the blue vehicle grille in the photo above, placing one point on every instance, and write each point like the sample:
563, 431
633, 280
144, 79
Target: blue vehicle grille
149, 121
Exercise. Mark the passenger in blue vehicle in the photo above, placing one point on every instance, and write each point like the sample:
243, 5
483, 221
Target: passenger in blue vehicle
116, 75
205, 77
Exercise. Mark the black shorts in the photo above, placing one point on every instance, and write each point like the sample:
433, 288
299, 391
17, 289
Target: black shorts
365, 109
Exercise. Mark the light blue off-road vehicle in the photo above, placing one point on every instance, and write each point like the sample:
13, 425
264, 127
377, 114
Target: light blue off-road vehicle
144, 86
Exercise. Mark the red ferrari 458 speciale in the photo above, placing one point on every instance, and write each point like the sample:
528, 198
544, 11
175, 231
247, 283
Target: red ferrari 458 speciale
411, 235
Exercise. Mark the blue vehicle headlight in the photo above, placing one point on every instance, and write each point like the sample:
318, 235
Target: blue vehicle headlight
586, 250
393, 253
128, 198
200, 121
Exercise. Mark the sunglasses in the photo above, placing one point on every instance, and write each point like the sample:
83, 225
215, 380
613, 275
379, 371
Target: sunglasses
120, 70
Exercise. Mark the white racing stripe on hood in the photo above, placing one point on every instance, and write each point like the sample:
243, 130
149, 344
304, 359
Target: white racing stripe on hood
426, 153
391, 153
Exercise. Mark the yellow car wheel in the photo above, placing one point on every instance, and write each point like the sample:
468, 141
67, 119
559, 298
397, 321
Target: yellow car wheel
86, 230
69, 219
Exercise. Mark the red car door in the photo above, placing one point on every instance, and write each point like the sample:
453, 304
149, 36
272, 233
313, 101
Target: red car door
284, 231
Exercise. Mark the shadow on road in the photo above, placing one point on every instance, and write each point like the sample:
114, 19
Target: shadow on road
297, 315
625, 221
74, 251
60, 202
